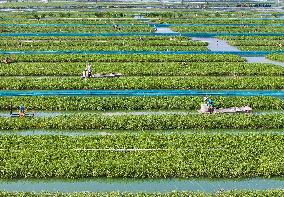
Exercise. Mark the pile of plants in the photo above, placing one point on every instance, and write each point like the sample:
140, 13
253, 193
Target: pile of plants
152, 156
136, 103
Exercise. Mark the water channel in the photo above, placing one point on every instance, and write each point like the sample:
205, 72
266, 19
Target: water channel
43, 114
138, 185
139, 92
218, 45
78, 133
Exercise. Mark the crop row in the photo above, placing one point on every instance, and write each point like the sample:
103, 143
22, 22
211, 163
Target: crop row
136, 103
260, 48
257, 43
143, 69
277, 57
100, 47
114, 39
235, 193
229, 29
101, 42
119, 14
210, 15
107, 42
239, 21
253, 42
78, 21
152, 82
85, 29
107, 48
266, 43
61, 14
175, 155
147, 122
105, 29
257, 39
123, 58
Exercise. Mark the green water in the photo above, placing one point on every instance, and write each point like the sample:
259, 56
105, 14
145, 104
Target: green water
136, 185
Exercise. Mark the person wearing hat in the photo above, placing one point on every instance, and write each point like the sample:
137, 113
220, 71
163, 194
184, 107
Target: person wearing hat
210, 104
89, 70
22, 111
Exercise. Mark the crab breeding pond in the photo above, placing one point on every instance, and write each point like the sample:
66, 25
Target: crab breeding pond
141, 99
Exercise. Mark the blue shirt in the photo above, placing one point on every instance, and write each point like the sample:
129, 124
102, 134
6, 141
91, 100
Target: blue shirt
210, 103
22, 109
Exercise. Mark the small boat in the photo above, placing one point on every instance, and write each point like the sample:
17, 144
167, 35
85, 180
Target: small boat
14, 115
244, 109
20, 114
110, 75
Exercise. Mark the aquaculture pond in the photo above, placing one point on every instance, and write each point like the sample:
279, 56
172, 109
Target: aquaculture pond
276, 93
134, 127
136, 185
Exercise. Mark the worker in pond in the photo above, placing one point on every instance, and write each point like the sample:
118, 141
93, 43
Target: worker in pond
89, 70
210, 104
22, 111
155, 28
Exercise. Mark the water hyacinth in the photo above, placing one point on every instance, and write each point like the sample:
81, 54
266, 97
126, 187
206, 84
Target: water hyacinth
147, 122
142, 156
142, 82
136, 103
